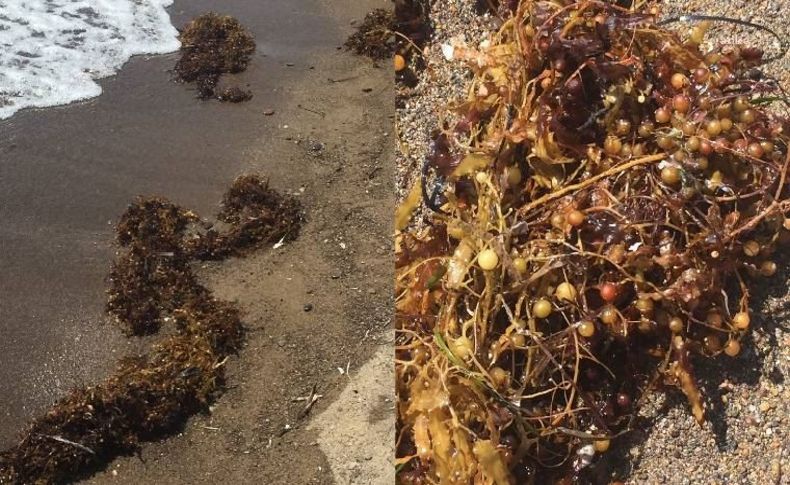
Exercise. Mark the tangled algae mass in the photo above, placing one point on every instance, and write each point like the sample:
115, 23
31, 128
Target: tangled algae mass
609, 192
383, 32
214, 45
152, 284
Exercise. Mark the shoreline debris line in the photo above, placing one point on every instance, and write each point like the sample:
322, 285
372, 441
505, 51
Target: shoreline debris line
152, 285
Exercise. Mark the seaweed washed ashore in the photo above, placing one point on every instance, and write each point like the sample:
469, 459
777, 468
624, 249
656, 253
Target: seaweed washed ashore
152, 284
384, 33
213, 45
609, 193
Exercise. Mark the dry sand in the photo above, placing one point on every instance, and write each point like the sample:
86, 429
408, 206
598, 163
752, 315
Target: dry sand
66, 173
343, 428
746, 439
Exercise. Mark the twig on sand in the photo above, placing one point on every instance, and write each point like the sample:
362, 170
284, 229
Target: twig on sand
68, 442
311, 400
343, 79
319, 113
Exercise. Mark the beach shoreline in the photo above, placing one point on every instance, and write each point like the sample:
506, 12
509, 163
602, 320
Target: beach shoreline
67, 173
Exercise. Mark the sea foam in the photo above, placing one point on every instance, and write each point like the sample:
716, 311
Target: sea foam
53, 51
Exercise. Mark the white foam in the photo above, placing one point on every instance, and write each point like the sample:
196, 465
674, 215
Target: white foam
53, 51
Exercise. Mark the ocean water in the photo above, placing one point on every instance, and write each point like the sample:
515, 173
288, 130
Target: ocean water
53, 51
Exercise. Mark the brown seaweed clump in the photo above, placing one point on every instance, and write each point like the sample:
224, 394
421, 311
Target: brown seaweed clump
383, 32
610, 191
234, 94
398, 35
213, 45
255, 214
152, 284
152, 277
375, 36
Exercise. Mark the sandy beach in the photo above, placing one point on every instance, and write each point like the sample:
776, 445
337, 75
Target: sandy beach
309, 398
67, 173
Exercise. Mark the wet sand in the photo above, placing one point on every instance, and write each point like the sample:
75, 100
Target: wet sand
67, 173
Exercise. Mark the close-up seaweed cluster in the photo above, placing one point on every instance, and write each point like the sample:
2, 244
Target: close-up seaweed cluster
153, 285
603, 202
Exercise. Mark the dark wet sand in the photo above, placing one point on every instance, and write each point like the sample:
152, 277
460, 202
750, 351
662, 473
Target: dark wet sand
67, 173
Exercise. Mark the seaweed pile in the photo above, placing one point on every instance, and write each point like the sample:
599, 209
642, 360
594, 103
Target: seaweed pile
152, 284
213, 45
234, 94
399, 35
608, 193
375, 36
384, 33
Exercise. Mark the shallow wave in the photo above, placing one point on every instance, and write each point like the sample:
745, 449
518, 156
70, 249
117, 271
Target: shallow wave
53, 51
